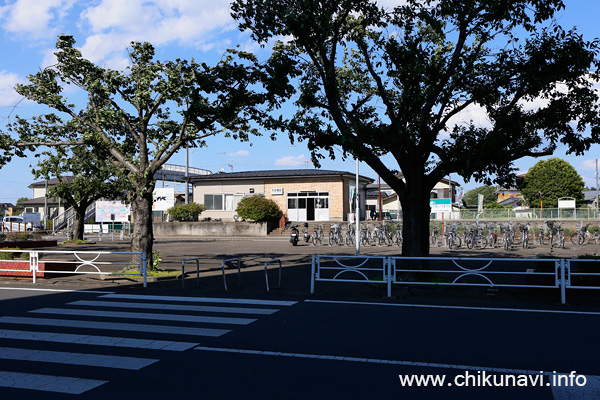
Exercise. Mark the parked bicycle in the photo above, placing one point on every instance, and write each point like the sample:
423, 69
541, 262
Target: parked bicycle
584, 236
335, 235
317, 236
350, 237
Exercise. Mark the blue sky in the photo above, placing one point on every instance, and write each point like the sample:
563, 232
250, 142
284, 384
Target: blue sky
201, 29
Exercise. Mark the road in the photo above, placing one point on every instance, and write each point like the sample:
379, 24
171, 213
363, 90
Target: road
124, 343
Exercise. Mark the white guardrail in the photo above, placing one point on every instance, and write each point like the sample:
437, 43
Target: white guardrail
548, 273
34, 264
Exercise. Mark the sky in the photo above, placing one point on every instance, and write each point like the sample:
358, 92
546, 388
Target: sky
199, 29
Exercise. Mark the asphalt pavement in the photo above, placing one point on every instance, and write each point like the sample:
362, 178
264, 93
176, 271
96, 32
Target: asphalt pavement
90, 338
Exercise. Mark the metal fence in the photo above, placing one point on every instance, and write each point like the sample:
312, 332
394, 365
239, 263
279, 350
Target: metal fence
34, 264
554, 273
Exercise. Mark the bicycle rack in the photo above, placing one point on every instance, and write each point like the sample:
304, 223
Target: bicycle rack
239, 271
267, 277
197, 270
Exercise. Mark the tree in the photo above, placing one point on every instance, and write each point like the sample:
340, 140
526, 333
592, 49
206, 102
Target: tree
386, 85
258, 208
186, 212
554, 178
94, 179
489, 196
142, 116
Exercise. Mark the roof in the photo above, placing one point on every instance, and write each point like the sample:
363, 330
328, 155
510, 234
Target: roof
52, 182
41, 201
277, 174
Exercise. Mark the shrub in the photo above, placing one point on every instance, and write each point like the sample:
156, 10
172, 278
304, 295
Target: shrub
18, 236
258, 208
8, 255
186, 212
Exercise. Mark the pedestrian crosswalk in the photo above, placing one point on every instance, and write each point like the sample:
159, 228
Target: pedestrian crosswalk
86, 331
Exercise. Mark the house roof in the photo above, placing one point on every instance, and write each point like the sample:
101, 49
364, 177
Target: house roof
277, 174
52, 182
40, 201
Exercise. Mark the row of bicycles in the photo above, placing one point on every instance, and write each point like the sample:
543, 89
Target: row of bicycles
377, 235
492, 235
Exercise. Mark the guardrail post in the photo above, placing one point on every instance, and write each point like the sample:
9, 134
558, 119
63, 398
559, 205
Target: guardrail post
312, 275
563, 283
143, 265
267, 276
389, 275
33, 264
239, 271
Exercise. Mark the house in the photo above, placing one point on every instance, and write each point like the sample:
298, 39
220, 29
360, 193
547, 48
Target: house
302, 194
390, 202
48, 207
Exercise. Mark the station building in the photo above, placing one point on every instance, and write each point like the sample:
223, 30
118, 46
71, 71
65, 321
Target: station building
302, 194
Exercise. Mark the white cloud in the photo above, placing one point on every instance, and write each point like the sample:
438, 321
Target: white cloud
588, 165
34, 17
241, 153
292, 161
115, 23
472, 114
8, 95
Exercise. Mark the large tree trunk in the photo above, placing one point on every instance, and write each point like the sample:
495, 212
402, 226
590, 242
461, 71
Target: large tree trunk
415, 229
142, 237
78, 223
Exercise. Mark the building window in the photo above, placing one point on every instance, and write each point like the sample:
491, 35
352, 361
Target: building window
222, 202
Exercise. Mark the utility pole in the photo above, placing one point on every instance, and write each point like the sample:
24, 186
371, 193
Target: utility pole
597, 216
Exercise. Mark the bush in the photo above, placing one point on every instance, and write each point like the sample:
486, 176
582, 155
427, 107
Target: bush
186, 212
8, 255
258, 208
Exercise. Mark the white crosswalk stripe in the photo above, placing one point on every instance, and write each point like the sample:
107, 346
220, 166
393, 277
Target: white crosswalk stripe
97, 340
61, 357
47, 383
174, 315
175, 307
137, 315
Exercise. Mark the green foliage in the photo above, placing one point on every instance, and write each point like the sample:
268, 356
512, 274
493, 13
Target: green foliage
140, 117
555, 178
488, 192
395, 82
186, 212
8, 255
258, 208
156, 260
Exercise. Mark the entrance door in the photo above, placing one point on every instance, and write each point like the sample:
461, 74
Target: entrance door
310, 209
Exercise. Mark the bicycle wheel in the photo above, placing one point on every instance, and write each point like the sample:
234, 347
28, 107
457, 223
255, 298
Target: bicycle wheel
576, 239
480, 242
331, 239
315, 239
506, 242
525, 241
434, 240
541, 239
469, 241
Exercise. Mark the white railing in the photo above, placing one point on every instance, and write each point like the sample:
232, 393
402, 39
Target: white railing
552, 273
28, 263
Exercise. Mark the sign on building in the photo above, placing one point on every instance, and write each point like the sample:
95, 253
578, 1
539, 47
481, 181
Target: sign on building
163, 199
276, 191
112, 211
440, 205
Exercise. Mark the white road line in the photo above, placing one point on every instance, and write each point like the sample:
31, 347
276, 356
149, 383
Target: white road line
454, 307
593, 379
96, 340
56, 290
174, 330
47, 383
200, 299
88, 360
178, 307
133, 315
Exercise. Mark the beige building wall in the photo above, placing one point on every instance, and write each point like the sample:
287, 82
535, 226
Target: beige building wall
247, 188
335, 187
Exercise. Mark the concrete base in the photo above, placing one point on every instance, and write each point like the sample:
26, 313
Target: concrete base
224, 229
